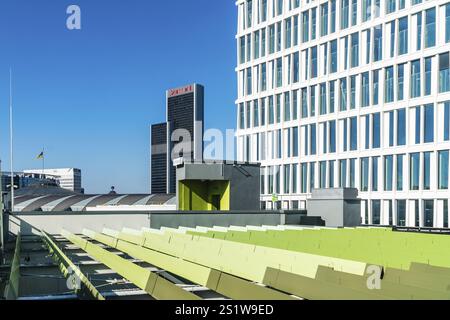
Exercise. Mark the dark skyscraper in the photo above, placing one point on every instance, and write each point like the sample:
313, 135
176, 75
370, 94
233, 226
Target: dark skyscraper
185, 113
159, 158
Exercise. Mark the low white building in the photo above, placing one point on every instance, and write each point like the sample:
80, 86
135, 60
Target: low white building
68, 178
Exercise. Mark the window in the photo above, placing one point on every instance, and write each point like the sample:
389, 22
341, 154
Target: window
375, 161
256, 45
242, 50
392, 46
279, 7
414, 174
430, 28
391, 128
353, 133
343, 94
295, 105
278, 108
342, 173
429, 213
365, 92
294, 178
333, 64
263, 77
255, 114
314, 62
401, 213
429, 123
428, 67
368, 43
332, 136
249, 47
400, 158
323, 99
324, 138
305, 26
447, 22
263, 42
271, 111
352, 92
295, 30
419, 31
390, 6
415, 79
401, 81
287, 106
365, 174
389, 85
331, 173
313, 139
271, 39
263, 10
287, 33
263, 112
287, 180
304, 102
249, 13
378, 43
352, 173
376, 128
279, 72
388, 173
427, 171
295, 142
444, 73
313, 101
376, 212
344, 13
241, 116
401, 127
355, 50
304, 186
324, 19
354, 12
333, 16
323, 175
312, 176
296, 66
443, 169
376, 87
366, 10
418, 125
278, 36
249, 81
403, 36
332, 95
313, 23
248, 117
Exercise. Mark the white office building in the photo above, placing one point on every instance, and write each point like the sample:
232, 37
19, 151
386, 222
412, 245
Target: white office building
348, 93
68, 178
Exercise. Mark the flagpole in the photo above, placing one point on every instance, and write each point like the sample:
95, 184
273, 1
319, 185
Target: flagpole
11, 138
43, 161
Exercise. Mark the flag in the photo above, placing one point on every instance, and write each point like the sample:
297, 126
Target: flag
40, 156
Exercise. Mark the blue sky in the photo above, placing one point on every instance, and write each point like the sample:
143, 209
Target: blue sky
89, 96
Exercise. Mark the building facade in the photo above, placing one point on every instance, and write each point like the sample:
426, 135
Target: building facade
68, 178
185, 120
159, 158
348, 93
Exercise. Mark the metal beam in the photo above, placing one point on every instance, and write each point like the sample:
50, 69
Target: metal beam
224, 284
150, 282
12, 288
68, 268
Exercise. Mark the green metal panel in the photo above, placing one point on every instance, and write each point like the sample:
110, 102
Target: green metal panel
153, 284
225, 284
12, 288
65, 264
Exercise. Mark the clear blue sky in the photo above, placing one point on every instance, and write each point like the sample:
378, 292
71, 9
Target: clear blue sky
89, 96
